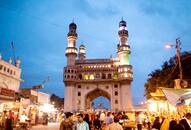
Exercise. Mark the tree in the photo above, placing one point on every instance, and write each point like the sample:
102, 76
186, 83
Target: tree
57, 101
169, 71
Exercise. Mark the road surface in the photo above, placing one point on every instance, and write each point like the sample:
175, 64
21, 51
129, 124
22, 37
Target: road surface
50, 126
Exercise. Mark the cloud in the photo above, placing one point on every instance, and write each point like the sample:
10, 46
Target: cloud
153, 7
100, 9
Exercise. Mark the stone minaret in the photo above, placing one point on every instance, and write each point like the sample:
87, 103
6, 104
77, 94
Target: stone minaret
125, 74
82, 52
70, 69
123, 49
71, 50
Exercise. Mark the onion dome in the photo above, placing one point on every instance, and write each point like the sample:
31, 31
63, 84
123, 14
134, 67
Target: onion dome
122, 23
72, 26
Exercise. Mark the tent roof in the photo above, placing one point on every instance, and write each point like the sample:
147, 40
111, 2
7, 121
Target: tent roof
174, 95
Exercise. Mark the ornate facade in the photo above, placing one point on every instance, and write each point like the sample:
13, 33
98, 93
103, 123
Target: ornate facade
86, 79
10, 79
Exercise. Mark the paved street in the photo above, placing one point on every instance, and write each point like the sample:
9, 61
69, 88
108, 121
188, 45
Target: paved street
50, 126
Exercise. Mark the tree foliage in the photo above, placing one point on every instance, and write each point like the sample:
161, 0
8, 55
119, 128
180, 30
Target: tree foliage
169, 71
57, 101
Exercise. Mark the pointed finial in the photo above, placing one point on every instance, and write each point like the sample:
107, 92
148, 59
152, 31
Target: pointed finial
122, 18
18, 62
10, 60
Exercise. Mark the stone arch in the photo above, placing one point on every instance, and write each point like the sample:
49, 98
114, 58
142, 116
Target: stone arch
90, 96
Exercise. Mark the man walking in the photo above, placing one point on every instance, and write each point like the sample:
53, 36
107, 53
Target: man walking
139, 122
67, 124
186, 122
82, 125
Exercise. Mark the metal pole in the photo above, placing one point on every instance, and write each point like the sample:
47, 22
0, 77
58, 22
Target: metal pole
13, 51
178, 57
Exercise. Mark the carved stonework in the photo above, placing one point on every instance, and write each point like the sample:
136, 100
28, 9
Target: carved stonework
87, 79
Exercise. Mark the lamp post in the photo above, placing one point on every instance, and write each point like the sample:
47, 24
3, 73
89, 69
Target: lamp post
178, 56
177, 46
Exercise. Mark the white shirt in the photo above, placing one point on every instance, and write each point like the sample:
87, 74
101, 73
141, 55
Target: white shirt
139, 120
82, 126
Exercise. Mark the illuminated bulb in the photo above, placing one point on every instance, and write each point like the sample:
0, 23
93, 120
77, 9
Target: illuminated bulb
168, 46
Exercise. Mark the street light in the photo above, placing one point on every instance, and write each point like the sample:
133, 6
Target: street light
177, 46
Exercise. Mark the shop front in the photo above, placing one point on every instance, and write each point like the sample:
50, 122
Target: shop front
7, 99
8, 103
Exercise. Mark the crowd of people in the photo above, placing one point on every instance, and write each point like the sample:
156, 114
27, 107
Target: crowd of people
7, 120
108, 121
117, 121
92, 121
172, 124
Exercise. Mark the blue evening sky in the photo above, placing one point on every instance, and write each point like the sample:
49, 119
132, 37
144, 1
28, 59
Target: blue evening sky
39, 30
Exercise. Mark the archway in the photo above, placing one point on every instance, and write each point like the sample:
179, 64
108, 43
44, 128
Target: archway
101, 103
97, 93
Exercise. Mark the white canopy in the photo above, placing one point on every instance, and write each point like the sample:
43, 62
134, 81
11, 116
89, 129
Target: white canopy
176, 95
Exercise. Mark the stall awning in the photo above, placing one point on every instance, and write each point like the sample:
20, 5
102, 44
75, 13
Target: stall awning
175, 95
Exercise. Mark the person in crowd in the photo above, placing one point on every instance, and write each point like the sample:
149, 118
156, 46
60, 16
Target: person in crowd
60, 116
67, 124
172, 125
120, 117
9, 121
147, 123
108, 119
163, 118
179, 127
186, 121
139, 122
115, 125
156, 124
152, 119
165, 124
86, 118
4, 117
92, 117
97, 123
82, 125
102, 117
45, 118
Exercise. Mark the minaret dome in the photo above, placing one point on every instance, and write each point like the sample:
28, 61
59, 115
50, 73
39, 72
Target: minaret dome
72, 26
82, 52
122, 23
72, 30
82, 49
